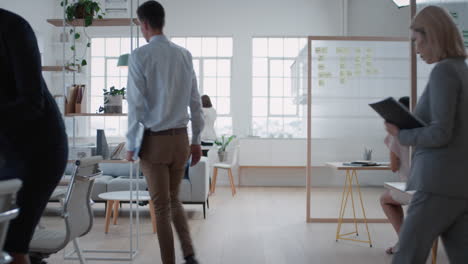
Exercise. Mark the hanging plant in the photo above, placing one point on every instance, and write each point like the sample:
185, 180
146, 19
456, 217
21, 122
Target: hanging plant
86, 10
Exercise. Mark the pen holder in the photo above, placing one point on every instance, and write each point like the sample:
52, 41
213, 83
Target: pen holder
367, 155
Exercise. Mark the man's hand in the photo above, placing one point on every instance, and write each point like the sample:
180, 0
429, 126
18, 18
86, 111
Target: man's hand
130, 155
392, 129
196, 152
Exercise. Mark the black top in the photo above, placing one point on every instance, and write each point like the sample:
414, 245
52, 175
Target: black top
28, 112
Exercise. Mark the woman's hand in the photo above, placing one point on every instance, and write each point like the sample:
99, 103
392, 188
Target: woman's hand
392, 129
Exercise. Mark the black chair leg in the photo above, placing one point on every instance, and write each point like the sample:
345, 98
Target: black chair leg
204, 210
208, 202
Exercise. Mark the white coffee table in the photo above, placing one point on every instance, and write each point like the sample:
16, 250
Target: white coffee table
114, 198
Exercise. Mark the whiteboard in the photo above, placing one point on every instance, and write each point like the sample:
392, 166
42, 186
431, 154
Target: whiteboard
346, 76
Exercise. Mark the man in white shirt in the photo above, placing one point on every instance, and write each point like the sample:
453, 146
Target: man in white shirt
161, 85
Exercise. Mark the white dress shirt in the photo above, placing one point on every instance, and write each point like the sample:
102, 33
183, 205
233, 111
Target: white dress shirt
208, 132
161, 86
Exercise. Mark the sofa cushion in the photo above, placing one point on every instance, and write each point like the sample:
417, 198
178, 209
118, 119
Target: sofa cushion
100, 186
185, 192
122, 183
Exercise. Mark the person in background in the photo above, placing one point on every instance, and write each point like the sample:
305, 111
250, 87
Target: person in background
391, 201
439, 206
161, 85
208, 135
33, 141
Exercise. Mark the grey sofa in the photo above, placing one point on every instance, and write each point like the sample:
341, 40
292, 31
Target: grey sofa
116, 178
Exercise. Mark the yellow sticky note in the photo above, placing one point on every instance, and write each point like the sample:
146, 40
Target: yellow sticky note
357, 73
350, 73
321, 83
370, 50
325, 50
318, 50
342, 73
342, 66
321, 58
339, 50
357, 50
369, 64
321, 67
357, 59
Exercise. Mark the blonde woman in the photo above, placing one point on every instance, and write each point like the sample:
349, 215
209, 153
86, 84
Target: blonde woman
439, 172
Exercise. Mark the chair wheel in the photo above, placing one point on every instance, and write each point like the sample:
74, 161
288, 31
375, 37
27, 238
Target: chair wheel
370, 245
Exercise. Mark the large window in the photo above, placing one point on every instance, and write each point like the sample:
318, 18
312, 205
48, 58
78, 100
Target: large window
212, 58
275, 108
105, 53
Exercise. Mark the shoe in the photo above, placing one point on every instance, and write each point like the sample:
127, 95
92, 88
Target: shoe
191, 260
392, 250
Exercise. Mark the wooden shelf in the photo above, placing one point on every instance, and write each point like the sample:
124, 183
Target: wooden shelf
107, 161
92, 114
55, 68
106, 22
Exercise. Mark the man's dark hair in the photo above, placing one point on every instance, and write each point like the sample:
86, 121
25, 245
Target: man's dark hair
404, 101
153, 13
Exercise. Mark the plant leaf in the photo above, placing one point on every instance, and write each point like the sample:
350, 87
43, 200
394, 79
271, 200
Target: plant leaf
88, 45
72, 47
77, 35
84, 63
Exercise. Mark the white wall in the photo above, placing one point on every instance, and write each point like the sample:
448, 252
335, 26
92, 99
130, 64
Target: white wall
377, 18
243, 19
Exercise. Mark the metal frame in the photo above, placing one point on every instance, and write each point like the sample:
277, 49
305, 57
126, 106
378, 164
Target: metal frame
133, 249
309, 219
351, 176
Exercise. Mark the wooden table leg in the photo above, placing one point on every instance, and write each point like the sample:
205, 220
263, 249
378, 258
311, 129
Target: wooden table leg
108, 215
213, 182
116, 211
434, 251
153, 216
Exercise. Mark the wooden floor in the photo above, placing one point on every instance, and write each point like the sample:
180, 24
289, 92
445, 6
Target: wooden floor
257, 226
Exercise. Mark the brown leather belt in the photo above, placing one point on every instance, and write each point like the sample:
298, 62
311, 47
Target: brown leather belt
168, 132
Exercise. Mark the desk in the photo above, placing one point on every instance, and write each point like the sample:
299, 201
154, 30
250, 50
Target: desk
351, 178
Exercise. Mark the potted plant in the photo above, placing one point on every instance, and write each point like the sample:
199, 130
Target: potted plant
86, 10
113, 100
223, 143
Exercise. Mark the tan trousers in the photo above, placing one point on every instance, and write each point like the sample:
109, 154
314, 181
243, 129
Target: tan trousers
163, 161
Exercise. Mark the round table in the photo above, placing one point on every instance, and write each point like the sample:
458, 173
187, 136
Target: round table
114, 198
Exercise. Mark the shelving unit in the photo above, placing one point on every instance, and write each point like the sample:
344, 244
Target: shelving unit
105, 22
95, 114
56, 68
131, 252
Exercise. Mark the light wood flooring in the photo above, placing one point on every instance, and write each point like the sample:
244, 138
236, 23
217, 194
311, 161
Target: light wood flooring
259, 225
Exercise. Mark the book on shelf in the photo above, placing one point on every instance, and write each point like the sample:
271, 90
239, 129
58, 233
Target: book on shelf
117, 152
395, 113
74, 98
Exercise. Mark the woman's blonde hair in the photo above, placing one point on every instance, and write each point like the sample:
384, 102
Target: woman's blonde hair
441, 34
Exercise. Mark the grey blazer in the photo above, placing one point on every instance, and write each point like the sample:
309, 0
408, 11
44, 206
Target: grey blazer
440, 157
